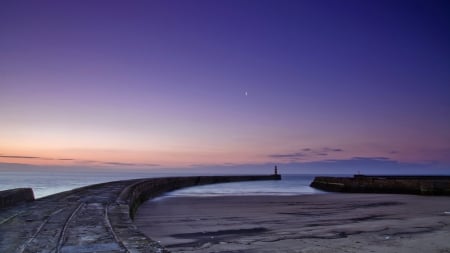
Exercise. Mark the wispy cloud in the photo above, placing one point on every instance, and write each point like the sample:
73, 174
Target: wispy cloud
129, 164
118, 163
288, 155
229, 164
326, 149
85, 161
305, 153
375, 158
20, 157
365, 165
81, 161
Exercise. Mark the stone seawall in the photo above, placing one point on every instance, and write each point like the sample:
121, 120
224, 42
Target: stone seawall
422, 185
96, 218
15, 196
135, 194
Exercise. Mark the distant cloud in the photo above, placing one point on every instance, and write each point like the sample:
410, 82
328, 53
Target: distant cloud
199, 164
119, 164
359, 159
20, 157
289, 155
129, 164
194, 165
332, 150
151, 164
229, 164
350, 166
80, 161
376, 158
305, 153
85, 161
364, 165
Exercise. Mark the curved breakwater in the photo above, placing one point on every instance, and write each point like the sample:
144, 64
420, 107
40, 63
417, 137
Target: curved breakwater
96, 218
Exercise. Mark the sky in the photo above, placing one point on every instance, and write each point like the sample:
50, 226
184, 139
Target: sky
218, 84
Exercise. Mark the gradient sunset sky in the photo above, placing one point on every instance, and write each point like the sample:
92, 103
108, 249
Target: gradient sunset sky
164, 84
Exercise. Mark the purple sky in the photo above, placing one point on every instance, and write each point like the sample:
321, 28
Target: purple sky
202, 83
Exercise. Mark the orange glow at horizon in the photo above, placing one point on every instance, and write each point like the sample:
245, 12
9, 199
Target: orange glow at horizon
165, 158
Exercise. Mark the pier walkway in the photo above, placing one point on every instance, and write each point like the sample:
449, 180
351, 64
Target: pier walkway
95, 218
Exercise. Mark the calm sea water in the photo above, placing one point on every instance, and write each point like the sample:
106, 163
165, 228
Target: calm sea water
289, 185
47, 183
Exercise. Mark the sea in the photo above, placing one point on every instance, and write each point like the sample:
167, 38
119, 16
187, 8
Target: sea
289, 185
46, 183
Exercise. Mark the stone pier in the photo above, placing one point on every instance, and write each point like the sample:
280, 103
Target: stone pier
421, 185
15, 196
96, 218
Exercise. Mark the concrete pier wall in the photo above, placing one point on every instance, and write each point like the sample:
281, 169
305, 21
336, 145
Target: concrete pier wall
96, 218
422, 185
128, 201
137, 193
15, 196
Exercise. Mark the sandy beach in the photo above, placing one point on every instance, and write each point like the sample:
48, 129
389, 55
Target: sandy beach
304, 223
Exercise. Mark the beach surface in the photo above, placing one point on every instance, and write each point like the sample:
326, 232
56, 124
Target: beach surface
305, 223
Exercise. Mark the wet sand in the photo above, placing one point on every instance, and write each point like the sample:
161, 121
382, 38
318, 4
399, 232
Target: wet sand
307, 223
